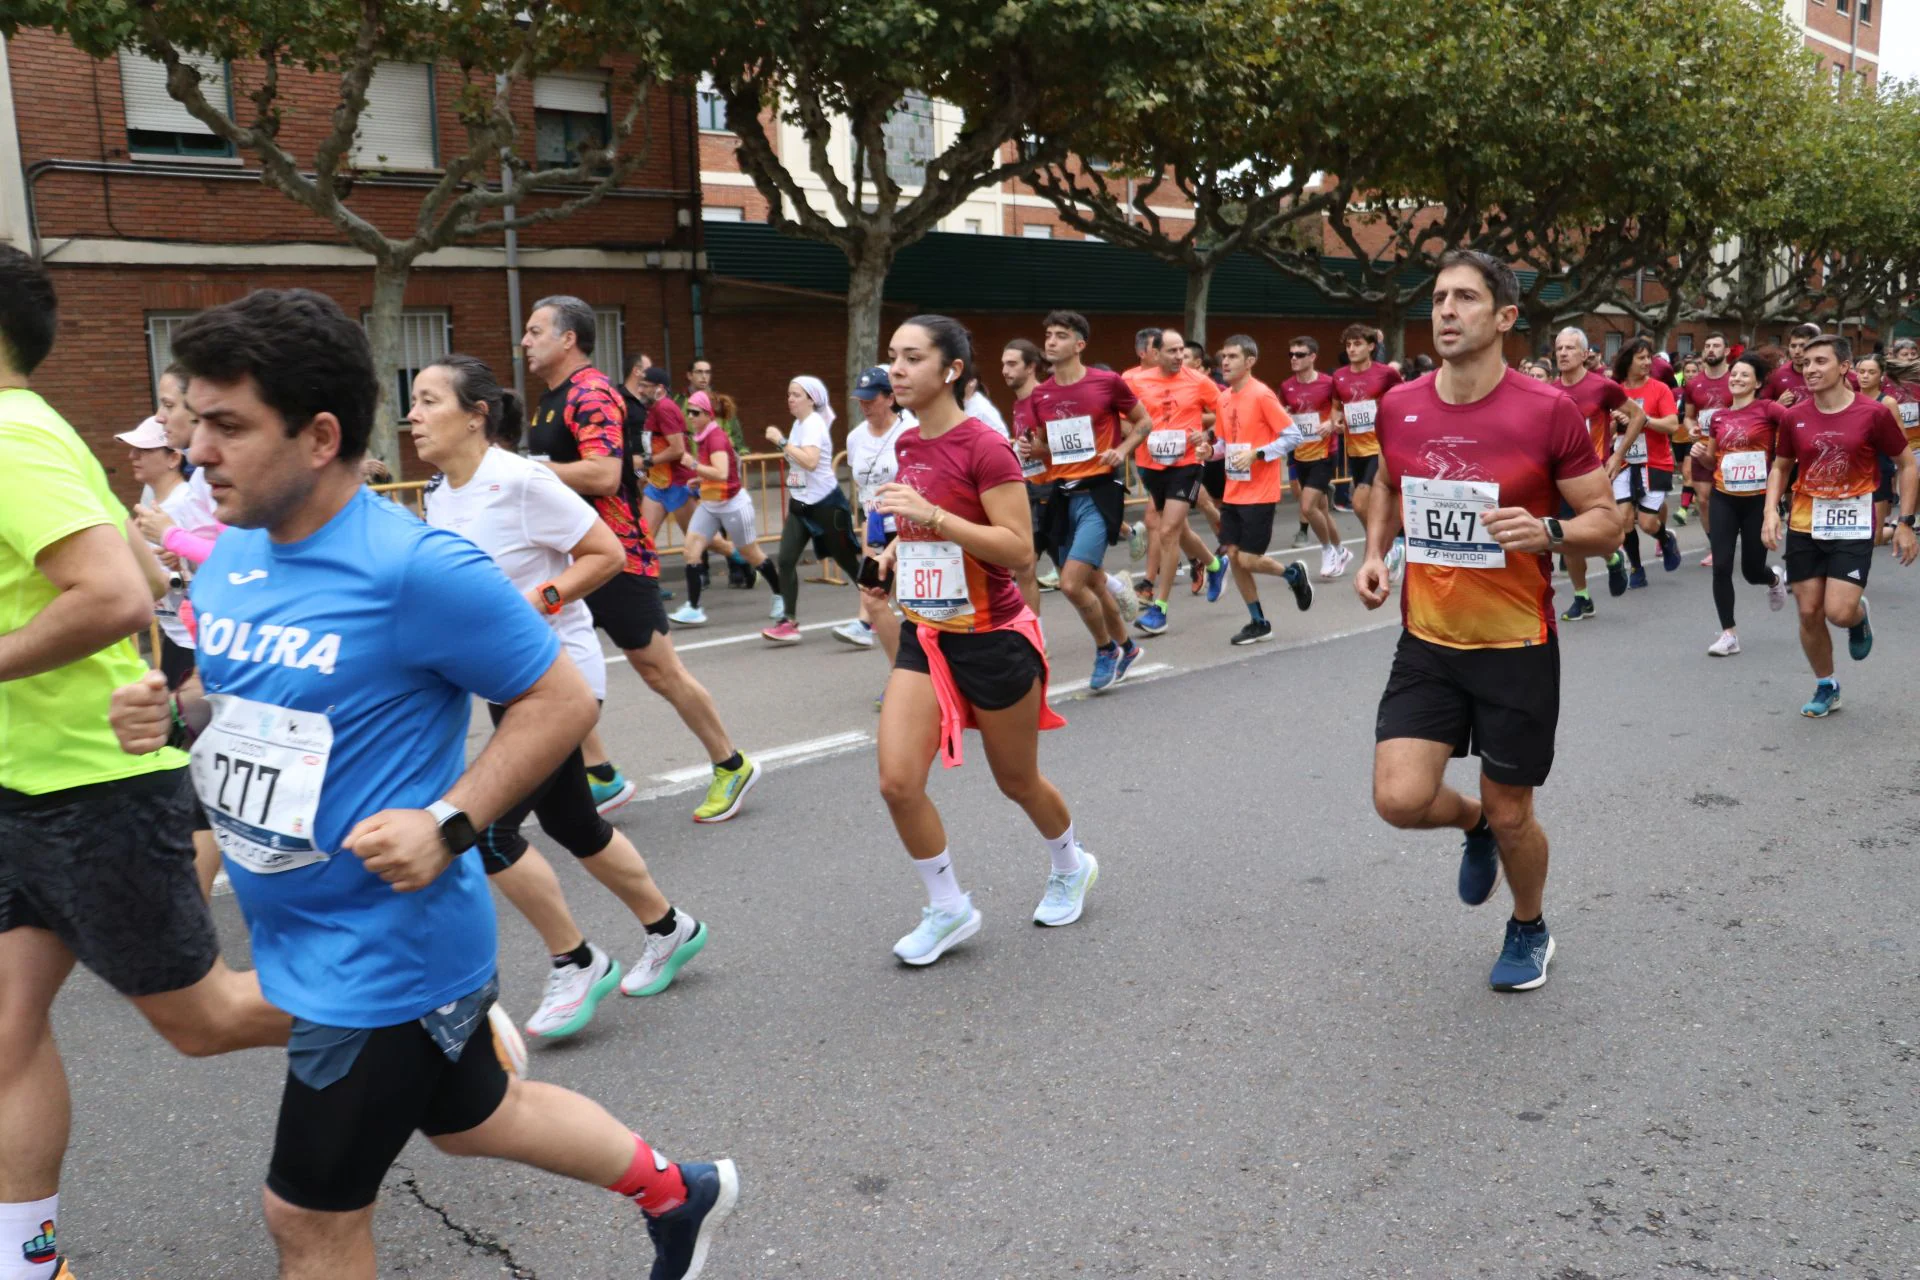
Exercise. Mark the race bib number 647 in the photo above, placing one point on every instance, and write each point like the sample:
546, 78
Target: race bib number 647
1443, 523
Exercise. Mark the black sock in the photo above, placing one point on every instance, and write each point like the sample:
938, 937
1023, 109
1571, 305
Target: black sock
733, 761
693, 585
1109, 647
1303, 526
602, 772
771, 574
1633, 547
664, 925
581, 956
1480, 830
1534, 923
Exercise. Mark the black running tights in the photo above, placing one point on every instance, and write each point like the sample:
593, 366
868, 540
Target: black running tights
1728, 518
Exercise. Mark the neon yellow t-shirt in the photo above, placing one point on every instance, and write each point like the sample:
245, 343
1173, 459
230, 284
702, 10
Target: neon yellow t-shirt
53, 726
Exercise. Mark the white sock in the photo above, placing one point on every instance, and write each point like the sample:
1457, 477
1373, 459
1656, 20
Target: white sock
25, 1231
1065, 851
943, 887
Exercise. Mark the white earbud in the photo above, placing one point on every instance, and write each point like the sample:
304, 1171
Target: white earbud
951, 375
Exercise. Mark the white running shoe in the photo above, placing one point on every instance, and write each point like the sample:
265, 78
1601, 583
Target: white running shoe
508, 1045
937, 931
856, 633
1726, 646
1346, 558
688, 615
1137, 540
1777, 590
573, 993
1125, 597
1066, 896
660, 963
1049, 580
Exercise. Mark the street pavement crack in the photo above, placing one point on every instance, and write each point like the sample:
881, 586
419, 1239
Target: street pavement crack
473, 1239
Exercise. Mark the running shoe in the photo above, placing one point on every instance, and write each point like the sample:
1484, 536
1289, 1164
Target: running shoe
1726, 646
937, 932
1669, 551
1300, 539
1216, 579
1124, 597
1825, 700
778, 609
1860, 635
1256, 630
1777, 590
1341, 559
1105, 662
1137, 541
856, 633
1153, 621
1680, 516
1479, 868
683, 1235
608, 796
1637, 579
783, 632
1049, 579
688, 615
1128, 653
1582, 607
1397, 561
1197, 571
507, 1043
727, 791
661, 962
1296, 576
1326, 564
1616, 574
1066, 895
573, 993
1522, 965
740, 576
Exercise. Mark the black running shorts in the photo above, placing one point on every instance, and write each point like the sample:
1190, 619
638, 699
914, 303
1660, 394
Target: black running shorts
992, 669
564, 805
332, 1147
1842, 559
1363, 470
1247, 525
629, 610
108, 869
1213, 478
1317, 475
1503, 705
1171, 484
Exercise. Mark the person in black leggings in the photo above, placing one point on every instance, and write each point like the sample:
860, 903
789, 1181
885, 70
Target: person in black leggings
1740, 449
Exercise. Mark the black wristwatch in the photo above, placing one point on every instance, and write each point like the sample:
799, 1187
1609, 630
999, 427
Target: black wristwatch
1910, 521
1556, 535
456, 828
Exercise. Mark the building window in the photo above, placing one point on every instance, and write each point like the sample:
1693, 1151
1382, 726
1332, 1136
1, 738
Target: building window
1866, 13
160, 330
426, 335
723, 213
609, 340
974, 226
159, 126
1842, 6
397, 127
1036, 231
709, 105
909, 137
1615, 340
569, 112
1683, 344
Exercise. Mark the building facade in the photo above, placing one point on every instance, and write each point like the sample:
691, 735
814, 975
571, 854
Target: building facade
1843, 34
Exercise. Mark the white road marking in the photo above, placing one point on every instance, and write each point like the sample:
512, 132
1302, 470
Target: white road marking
616, 655
694, 777
1141, 672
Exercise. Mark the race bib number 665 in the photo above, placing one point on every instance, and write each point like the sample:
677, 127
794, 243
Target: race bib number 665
1442, 521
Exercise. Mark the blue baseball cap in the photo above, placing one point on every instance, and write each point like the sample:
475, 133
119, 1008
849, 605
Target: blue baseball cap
872, 384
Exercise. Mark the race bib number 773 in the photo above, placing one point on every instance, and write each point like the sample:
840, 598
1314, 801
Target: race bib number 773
1442, 520
258, 770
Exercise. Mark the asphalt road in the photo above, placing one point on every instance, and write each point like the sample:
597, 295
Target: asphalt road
1268, 1049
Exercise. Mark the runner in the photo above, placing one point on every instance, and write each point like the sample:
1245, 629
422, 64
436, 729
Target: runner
1255, 435
96, 854
671, 484
1023, 365
1475, 461
1903, 384
725, 509
1739, 452
817, 509
1182, 404
1308, 398
339, 641
1705, 394
1870, 373
1788, 381
1357, 387
1642, 469
1080, 412
555, 551
1833, 436
1596, 397
578, 431
871, 458
971, 655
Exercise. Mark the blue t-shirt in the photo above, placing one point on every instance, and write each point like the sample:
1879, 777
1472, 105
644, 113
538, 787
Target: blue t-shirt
371, 633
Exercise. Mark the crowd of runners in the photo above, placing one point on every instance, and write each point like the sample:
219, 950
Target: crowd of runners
305, 720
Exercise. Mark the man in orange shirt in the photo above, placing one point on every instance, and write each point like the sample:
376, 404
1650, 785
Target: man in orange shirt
1256, 435
1183, 404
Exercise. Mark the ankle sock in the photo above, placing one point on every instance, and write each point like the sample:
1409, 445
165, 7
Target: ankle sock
1481, 829
653, 1182
665, 924
603, 772
580, 957
1534, 923
733, 761
27, 1239
943, 887
1064, 849
1258, 614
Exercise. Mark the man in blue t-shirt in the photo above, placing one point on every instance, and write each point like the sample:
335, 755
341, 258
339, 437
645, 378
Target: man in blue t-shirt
340, 639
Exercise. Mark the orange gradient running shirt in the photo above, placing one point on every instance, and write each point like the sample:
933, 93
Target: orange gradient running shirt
1839, 453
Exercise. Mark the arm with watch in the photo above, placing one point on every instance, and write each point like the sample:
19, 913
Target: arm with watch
1906, 483
1593, 530
597, 560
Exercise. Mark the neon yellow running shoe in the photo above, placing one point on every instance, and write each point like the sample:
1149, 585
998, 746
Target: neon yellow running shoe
726, 792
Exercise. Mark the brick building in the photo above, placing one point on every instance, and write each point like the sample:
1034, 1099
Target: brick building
1844, 34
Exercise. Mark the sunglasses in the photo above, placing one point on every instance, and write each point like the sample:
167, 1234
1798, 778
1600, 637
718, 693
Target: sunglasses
697, 413
1299, 355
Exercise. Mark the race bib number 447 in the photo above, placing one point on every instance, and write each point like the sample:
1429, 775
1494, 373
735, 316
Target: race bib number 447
258, 770
1443, 523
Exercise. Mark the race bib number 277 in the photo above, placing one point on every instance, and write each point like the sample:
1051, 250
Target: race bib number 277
258, 770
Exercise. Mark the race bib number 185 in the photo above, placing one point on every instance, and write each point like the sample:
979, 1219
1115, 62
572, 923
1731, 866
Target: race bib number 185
1442, 522
1070, 439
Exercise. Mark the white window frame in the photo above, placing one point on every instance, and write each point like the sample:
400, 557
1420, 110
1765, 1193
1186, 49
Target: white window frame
426, 335
708, 105
160, 327
1036, 231
722, 213
149, 108
610, 342
398, 130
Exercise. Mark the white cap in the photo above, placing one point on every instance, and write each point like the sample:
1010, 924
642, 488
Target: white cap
150, 434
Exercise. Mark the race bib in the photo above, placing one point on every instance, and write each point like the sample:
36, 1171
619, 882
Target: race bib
1360, 417
1070, 439
258, 770
1706, 420
1239, 462
1309, 424
646, 443
932, 580
1910, 415
1442, 522
1637, 451
1031, 467
1744, 472
1166, 446
1843, 518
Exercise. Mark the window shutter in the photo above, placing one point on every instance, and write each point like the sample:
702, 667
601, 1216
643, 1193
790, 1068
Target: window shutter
143, 90
586, 94
396, 129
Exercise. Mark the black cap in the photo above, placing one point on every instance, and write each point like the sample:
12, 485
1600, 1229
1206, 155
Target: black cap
658, 376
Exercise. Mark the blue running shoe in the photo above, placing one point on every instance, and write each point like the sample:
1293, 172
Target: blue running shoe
1637, 579
1153, 621
1582, 607
1479, 868
1127, 655
1826, 700
1860, 635
682, 1236
608, 796
1522, 965
1669, 551
1616, 574
1216, 579
1105, 661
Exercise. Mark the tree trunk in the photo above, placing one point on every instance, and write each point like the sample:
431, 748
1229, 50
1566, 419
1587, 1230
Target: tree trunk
1390, 318
383, 333
1199, 288
1539, 328
866, 285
